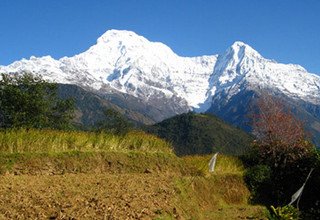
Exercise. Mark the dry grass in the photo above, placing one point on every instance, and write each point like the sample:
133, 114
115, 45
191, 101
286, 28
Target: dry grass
226, 165
89, 162
87, 175
57, 152
219, 195
39, 141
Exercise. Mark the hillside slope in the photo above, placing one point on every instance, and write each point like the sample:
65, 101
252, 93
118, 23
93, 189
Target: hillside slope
53, 175
192, 133
90, 106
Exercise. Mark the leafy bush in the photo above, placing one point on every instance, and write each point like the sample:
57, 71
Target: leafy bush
284, 213
257, 175
258, 179
274, 185
281, 153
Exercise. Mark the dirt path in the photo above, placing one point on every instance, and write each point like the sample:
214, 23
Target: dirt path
87, 196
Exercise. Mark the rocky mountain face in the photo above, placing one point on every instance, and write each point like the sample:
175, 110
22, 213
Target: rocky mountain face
90, 106
242, 74
149, 78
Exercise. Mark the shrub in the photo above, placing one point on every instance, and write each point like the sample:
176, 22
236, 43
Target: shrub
280, 154
258, 178
257, 175
284, 213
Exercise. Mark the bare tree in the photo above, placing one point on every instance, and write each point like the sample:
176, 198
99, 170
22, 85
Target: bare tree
280, 135
275, 122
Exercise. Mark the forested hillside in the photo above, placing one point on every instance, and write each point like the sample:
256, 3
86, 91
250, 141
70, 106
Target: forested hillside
193, 133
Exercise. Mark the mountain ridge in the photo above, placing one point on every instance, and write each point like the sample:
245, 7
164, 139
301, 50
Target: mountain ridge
124, 63
131, 64
112, 62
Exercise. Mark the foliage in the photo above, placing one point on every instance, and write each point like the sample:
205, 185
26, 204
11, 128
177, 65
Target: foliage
114, 123
284, 213
281, 138
274, 185
256, 178
192, 133
280, 154
275, 122
29, 101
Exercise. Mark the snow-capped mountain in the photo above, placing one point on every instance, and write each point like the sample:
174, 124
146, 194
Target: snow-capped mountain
242, 66
122, 62
130, 64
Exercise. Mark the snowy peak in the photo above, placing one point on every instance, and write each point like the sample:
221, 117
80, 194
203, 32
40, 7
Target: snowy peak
240, 50
117, 48
232, 66
122, 42
129, 63
242, 67
237, 52
236, 55
128, 37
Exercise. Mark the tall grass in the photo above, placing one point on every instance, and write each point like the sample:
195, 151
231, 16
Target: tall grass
226, 165
39, 141
206, 195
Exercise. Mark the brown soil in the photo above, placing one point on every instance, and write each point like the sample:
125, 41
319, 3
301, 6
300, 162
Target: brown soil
118, 186
87, 196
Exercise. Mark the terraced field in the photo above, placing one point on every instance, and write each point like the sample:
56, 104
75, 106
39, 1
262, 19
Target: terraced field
121, 184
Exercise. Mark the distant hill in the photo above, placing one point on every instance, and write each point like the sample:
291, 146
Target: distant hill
192, 133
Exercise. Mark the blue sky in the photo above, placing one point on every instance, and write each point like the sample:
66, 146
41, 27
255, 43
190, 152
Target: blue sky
287, 31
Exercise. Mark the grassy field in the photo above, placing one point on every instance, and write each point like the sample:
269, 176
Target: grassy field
83, 175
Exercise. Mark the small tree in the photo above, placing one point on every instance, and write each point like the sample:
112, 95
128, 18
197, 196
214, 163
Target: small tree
281, 137
29, 101
281, 157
